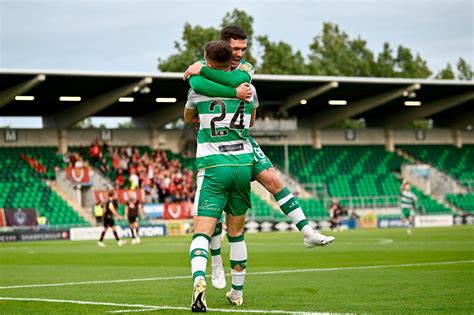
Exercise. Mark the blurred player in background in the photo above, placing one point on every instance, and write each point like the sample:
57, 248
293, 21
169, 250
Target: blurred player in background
133, 208
408, 204
211, 82
109, 222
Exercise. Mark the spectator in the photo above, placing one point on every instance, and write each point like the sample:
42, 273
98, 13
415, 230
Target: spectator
98, 212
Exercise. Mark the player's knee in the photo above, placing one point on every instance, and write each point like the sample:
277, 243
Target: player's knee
271, 181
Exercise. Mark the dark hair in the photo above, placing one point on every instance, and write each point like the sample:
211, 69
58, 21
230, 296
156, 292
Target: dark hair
111, 193
219, 51
232, 32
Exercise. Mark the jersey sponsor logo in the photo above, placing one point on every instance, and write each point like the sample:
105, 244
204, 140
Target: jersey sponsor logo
231, 147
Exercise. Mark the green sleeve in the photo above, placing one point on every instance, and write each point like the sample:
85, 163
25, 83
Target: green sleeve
206, 87
232, 78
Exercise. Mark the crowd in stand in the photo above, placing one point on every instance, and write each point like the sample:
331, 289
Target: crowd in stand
160, 178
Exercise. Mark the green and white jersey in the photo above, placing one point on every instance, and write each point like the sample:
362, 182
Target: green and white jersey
408, 200
246, 67
223, 130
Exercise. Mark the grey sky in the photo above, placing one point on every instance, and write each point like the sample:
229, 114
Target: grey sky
130, 35
126, 35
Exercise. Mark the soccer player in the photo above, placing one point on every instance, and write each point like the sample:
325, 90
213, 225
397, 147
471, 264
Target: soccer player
208, 81
109, 221
408, 202
132, 209
224, 161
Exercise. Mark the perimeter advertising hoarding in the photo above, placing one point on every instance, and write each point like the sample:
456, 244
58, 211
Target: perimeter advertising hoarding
93, 233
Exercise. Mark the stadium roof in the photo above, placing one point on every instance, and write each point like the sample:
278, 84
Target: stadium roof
381, 101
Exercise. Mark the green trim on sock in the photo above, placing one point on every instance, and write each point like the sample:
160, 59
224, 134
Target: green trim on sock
215, 252
242, 263
203, 235
234, 239
218, 230
289, 206
199, 273
282, 194
301, 224
237, 287
198, 252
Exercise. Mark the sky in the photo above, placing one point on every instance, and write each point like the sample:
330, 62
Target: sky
130, 35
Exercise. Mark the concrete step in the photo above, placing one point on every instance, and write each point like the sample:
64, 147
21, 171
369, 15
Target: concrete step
84, 212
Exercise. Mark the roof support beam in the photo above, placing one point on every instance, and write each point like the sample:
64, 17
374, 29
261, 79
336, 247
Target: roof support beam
339, 113
8, 96
160, 117
295, 99
463, 120
425, 110
69, 116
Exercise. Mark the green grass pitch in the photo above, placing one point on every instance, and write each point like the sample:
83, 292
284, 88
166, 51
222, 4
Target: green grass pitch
365, 271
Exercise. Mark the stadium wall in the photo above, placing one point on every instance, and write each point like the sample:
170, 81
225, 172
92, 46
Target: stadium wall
174, 139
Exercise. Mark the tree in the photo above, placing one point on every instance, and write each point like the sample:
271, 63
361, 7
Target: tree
334, 53
278, 58
125, 125
193, 39
190, 50
464, 70
385, 62
84, 124
408, 67
446, 73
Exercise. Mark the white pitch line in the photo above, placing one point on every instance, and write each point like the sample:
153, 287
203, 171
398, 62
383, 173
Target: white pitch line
143, 308
248, 274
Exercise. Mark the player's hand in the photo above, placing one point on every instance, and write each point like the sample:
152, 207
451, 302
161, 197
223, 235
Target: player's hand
244, 92
119, 217
193, 69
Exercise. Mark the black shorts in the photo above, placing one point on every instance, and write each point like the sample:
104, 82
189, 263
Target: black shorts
132, 219
109, 221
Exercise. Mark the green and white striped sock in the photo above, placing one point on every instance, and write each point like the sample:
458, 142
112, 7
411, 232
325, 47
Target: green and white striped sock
215, 245
238, 263
198, 256
291, 207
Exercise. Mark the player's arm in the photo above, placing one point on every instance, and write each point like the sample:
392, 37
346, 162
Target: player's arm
125, 214
189, 115
206, 87
142, 212
252, 117
255, 106
229, 78
114, 212
243, 74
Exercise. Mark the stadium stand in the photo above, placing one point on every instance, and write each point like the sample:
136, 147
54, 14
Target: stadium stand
464, 202
457, 162
362, 175
22, 185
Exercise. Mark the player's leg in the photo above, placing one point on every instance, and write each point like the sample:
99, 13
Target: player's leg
290, 206
264, 172
210, 199
102, 235
236, 208
132, 228
117, 238
136, 227
218, 275
238, 258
